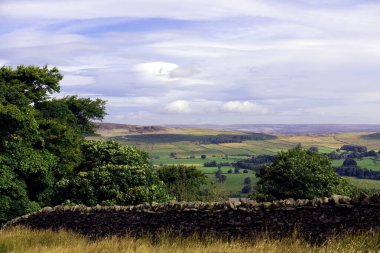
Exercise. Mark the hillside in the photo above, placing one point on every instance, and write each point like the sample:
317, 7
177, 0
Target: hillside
374, 136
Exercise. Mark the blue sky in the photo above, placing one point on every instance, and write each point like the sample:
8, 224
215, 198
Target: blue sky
202, 62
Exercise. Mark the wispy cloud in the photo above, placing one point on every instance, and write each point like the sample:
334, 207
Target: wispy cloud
193, 61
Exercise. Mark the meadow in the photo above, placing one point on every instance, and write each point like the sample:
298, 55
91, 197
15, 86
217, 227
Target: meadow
371, 163
21, 240
184, 146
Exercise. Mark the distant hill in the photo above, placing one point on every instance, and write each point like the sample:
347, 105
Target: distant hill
374, 136
292, 128
202, 139
160, 134
112, 129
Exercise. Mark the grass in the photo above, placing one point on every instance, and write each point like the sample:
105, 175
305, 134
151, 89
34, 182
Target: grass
371, 163
160, 148
364, 183
234, 182
20, 240
326, 143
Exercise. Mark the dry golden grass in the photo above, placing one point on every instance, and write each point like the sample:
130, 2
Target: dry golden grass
131, 130
326, 140
355, 138
27, 241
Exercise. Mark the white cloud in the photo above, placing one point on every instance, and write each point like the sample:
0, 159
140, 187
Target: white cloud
294, 59
179, 106
182, 72
130, 101
76, 80
90, 9
156, 70
169, 73
243, 107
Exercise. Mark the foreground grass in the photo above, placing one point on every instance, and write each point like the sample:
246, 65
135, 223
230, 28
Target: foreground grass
24, 240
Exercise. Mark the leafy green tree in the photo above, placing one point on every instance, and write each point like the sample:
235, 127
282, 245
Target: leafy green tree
100, 153
222, 178
246, 188
298, 173
40, 137
350, 162
111, 174
247, 180
114, 185
183, 182
86, 111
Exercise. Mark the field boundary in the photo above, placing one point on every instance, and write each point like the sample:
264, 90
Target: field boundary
315, 219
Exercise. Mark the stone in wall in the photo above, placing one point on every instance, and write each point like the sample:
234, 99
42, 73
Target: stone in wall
315, 219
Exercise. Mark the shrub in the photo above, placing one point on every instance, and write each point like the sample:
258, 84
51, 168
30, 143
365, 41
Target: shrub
246, 189
297, 173
183, 182
111, 174
247, 180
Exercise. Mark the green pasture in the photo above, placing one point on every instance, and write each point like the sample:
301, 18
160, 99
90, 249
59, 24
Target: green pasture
233, 183
364, 183
186, 146
371, 163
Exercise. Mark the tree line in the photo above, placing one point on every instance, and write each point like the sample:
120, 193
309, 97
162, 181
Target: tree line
45, 159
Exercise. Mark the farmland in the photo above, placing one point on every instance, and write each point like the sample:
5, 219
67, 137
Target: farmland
187, 146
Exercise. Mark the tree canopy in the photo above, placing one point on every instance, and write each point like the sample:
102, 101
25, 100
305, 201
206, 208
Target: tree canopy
44, 156
111, 174
299, 173
183, 182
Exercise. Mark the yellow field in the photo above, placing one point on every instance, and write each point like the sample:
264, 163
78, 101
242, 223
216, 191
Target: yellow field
164, 130
26, 241
184, 149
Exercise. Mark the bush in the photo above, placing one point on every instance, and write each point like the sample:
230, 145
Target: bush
115, 185
222, 178
350, 162
246, 189
111, 174
299, 174
183, 182
247, 180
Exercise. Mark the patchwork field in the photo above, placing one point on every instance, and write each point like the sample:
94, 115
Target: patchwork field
187, 145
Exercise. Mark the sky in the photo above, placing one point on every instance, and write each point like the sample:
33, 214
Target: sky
206, 62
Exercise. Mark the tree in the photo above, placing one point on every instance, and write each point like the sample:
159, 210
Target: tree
314, 149
297, 173
218, 173
183, 182
222, 178
203, 156
350, 162
39, 137
246, 189
86, 111
247, 180
236, 170
111, 174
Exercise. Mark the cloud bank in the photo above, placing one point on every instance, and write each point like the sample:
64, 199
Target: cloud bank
165, 62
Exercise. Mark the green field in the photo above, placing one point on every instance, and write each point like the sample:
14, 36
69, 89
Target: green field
190, 144
371, 163
364, 183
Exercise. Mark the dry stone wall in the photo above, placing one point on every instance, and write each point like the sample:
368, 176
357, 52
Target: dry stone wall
315, 219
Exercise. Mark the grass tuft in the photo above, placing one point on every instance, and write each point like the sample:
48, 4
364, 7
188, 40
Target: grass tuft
42, 241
